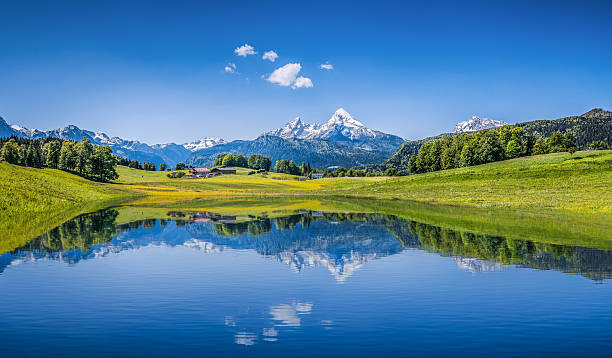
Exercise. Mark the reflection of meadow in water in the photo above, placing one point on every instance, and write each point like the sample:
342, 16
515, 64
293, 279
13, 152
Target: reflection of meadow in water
342, 243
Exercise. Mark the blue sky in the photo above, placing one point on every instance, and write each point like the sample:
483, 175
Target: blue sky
154, 71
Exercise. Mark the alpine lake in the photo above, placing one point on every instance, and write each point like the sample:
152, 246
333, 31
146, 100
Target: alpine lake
308, 278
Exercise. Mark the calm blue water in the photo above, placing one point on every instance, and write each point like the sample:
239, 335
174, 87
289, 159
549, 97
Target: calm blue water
307, 285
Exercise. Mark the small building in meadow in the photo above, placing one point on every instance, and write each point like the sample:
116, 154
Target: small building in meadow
317, 175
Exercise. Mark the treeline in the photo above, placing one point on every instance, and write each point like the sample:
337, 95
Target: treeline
82, 158
255, 161
134, 164
485, 147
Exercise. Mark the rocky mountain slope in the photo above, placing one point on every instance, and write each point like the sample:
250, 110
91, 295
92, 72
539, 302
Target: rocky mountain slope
340, 128
319, 153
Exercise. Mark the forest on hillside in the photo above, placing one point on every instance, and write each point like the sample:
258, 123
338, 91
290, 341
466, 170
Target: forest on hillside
594, 126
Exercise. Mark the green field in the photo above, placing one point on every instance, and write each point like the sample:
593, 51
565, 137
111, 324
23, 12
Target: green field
581, 184
551, 198
33, 201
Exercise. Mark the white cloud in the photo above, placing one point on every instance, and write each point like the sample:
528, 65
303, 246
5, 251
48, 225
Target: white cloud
270, 55
302, 82
326, 66
245, 50
287, 75
231, 68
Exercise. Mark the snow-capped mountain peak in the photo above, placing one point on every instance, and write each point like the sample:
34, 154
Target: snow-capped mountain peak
203, 143
342, 117
477, 124
341, 128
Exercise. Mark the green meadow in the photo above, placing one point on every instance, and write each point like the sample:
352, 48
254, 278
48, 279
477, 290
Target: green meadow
550, 198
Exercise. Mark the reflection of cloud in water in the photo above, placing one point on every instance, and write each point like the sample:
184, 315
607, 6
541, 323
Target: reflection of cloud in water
476, 265
229, 321
270, 334
289, 315
245, 338
327, 324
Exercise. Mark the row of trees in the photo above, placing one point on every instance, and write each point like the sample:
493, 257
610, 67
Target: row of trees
484, 147
134, 164
82, 158
255, 161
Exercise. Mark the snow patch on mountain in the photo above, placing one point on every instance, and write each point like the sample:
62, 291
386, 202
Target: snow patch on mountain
203, 143
477, 124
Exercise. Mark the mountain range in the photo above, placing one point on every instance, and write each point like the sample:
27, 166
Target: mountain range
169, 153
341, 141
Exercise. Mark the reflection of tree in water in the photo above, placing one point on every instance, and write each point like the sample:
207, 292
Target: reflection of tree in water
592, 263
82, 232
254, 227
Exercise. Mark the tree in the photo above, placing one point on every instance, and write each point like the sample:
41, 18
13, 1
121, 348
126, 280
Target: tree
391, 172
103, 164
570, 143
68, 156
259, 162
84, 151
219, 160
235, 160
540, 146
10, 152
30, 159
513, 149
179, 166
556, 142
51, 151
468, 155
598, 145
162, 167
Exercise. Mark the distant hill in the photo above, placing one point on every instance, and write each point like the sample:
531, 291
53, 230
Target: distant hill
592, 126
319, 153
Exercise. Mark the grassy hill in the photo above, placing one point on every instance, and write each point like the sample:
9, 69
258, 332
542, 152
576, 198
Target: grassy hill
32, 201
592, 126
553, 181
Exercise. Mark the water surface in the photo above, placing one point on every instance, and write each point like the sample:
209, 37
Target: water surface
307, 284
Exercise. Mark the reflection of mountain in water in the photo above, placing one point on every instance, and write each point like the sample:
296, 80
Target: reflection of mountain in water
340, 242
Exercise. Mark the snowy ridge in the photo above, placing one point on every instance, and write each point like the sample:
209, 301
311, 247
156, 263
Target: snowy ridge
340, 128
477, 124
203, 143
